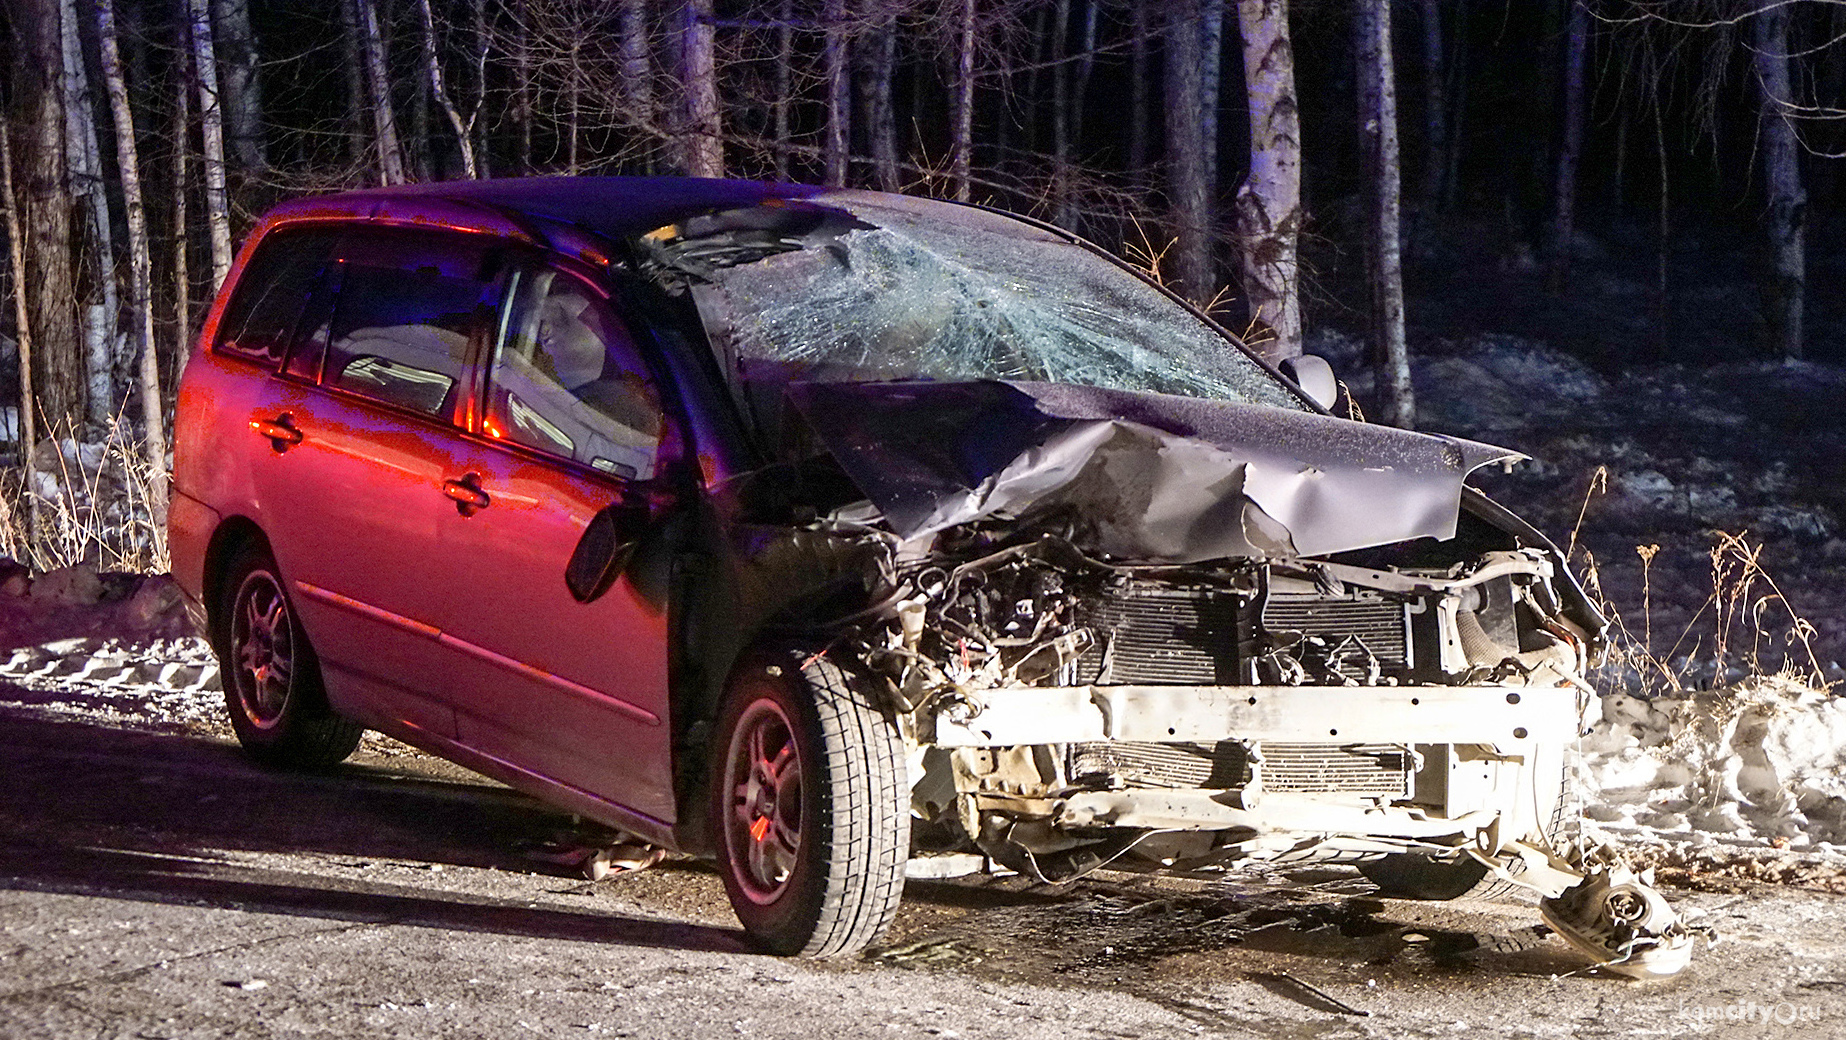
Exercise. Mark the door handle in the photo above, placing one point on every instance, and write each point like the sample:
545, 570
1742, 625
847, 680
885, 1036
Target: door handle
467, 495
280, 431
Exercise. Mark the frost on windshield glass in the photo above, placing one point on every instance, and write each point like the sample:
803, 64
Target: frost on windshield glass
978, 298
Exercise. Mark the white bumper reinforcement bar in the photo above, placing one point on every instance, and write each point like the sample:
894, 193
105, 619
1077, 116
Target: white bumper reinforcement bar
1507, 717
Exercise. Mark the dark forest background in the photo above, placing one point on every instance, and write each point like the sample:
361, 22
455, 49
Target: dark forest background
1638, 182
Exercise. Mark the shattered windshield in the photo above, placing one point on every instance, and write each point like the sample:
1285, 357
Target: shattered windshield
904, 292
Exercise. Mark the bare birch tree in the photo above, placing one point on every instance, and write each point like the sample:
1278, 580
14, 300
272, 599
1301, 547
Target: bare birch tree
702, 128
839, 128
237, 68
1269, 203
98, 312
140, 262
961, 149
1384, 257
438, 85
1785, 292
211, 124
391, 168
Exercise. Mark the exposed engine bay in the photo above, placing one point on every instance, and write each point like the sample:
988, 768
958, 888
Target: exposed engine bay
1067, 713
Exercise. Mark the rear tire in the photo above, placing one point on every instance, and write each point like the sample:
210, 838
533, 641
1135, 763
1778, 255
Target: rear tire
809, 807
272, 680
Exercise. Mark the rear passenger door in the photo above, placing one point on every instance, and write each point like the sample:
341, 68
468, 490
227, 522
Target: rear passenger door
572, 420
363, 431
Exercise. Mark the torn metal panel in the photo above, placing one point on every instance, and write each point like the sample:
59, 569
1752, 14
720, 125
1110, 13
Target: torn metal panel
1158, 478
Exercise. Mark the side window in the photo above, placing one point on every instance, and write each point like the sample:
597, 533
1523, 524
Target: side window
567, 379
260, 318
407, 305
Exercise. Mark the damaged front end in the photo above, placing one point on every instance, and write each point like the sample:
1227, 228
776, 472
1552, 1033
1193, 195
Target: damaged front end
1146, 610
1174, 687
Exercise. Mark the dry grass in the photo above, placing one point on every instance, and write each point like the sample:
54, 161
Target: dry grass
90, 504
1745, 632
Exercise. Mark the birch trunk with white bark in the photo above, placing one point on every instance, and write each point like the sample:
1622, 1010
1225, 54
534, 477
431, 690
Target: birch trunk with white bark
1269, 203
961, 163
839, 126
702, 138
211, 124
140, 265
438, 85
1378, 136
1785, 292
391, 169
97, 315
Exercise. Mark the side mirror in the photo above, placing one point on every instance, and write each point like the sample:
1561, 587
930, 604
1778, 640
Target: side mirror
607, 543
1314, 376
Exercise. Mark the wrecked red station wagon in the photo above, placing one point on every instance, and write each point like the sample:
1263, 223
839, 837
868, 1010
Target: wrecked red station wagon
840, 535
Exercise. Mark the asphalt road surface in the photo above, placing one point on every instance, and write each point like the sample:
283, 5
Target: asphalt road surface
158, 885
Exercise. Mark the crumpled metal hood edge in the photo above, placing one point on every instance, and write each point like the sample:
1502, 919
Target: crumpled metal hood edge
1153, 477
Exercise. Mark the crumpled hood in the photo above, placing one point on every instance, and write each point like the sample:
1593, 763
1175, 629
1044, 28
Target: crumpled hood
1157, 478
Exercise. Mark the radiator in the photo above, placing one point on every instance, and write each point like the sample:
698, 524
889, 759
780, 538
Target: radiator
1343, 624
1381, 770
1164, 635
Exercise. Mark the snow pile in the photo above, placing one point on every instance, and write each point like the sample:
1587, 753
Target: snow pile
109, 646
1722, 781
165, 683
1763, 763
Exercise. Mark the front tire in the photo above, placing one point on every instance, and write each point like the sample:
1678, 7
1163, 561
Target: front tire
1415, 876
810, 809
272, 681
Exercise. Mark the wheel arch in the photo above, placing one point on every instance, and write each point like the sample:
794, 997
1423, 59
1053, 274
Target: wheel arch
230, 538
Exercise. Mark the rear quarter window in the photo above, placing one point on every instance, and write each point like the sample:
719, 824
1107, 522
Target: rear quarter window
260, 319
409, 305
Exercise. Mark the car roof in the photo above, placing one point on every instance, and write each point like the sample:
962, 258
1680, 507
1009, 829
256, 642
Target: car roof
539, 208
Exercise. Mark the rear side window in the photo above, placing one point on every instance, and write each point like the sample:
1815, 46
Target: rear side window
409, 303
260, 318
